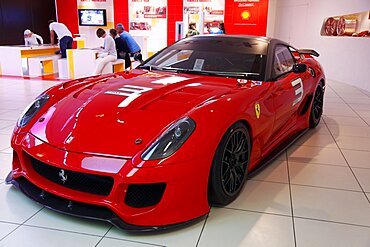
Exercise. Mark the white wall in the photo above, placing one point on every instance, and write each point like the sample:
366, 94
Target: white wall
345, 59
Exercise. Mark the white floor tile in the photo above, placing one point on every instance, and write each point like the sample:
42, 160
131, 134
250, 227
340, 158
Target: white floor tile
358, 143
320, 129
187, 236
7, 130
333, 100
331, 205
340, 120
50, 219
109, 242
6, 123
363, 176
339, 112
5, 164
4, 141
359, 159
6, 228
329, 176
264, 197
353, 131
227, 227
316, 140
12, 115
311, 233
274, 172
317, 155
282, 157
357, 100
364, 113
360, 107
15, 206
27, 236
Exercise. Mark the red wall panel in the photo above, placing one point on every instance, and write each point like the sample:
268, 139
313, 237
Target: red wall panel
246, 17
121, 12
174, 13
67, 14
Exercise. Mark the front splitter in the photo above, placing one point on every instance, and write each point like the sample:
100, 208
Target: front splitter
84, 210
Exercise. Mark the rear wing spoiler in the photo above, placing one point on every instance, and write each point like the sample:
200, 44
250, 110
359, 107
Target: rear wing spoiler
309, 52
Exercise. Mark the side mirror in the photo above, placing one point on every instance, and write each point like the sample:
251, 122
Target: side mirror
299, 68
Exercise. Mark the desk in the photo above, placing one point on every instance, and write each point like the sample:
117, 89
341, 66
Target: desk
11, 57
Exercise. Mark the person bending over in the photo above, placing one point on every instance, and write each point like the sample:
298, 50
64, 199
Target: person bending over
131, 43
123, 52
31, 38
107, 54
63, 34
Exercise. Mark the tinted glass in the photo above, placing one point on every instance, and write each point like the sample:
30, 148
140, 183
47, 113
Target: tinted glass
283, 60
215, 56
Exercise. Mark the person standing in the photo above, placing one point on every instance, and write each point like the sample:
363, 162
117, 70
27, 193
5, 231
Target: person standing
63, 34
131, 43
31, 38
107, 54
123, 52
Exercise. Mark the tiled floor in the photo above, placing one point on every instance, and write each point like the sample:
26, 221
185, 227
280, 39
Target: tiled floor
316, 194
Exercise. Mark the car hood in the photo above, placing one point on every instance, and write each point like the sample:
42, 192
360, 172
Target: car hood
121, 116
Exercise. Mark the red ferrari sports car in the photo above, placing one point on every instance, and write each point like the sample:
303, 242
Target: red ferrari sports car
153, 148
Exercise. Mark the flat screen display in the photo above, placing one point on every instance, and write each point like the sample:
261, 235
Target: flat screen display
92, 17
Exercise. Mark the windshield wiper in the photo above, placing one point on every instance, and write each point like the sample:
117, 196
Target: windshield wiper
149, 67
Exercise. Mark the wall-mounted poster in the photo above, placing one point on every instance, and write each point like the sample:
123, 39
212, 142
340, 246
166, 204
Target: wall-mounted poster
204, 13
355, 25
245, 12
148, 24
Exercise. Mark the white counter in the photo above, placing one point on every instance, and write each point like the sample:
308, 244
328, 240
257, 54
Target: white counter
11, 57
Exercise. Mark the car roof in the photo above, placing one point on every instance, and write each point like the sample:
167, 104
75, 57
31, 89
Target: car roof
268, 40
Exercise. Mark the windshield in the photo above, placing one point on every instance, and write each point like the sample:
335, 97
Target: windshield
219, 56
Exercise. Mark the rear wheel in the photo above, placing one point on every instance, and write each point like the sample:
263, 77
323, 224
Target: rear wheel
317, 106
230, 164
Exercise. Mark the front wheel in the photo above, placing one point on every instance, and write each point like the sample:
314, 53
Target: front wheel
230, 164
317, 106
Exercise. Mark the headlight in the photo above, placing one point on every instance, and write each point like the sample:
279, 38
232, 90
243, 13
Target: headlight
32, 110
171, 140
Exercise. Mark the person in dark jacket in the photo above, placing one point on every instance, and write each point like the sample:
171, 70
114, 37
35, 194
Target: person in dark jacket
123, 52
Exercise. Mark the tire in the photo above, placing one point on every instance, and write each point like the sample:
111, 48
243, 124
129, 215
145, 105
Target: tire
230, 165
317, 106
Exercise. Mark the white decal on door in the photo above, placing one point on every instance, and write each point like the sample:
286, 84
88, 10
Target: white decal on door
298, 86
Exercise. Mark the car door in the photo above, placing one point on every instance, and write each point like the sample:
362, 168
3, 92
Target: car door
288, 90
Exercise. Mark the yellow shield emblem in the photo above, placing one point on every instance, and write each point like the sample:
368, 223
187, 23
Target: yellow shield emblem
257, 107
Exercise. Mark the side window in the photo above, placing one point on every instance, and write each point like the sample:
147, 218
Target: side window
283, 60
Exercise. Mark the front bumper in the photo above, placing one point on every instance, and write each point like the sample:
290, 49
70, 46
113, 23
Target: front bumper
184, 198
83, 210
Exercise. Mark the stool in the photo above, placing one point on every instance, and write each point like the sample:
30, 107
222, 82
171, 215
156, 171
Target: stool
113, 67
43, 65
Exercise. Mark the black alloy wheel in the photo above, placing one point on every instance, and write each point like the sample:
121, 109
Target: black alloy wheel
230, 165
317, 106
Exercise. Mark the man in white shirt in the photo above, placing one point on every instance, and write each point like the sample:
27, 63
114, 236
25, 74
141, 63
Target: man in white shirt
63, 34
107, 54
31, 38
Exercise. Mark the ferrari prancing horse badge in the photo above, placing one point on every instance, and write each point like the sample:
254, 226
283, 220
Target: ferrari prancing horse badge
257, 107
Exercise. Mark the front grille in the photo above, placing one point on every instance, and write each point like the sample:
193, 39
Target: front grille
84, 182
144, 195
